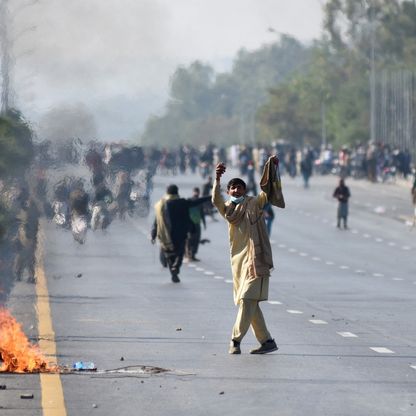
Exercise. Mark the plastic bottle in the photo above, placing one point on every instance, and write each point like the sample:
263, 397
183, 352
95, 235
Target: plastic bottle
84, 366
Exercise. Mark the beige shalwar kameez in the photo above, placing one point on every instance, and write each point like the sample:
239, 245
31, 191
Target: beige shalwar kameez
251, 256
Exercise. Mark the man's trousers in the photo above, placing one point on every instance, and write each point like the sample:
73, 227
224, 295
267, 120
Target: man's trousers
249, 313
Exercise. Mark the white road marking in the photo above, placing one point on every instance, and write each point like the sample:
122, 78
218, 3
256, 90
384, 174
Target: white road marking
379, 240
347, 334
344, 267
329, 263
191, 265
274, 302
303, 254
392, 243
382, 350
218, 277
366, 235
325, 221
282, 245
316, 258
413, 366
406, 248
318, 322
398, 279
292, 250
209, 273
354, 231
199, 269
294, 311
360, 271
378, 274
228, 281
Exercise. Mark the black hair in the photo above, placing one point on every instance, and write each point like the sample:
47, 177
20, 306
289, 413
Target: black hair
236, 181
172, 190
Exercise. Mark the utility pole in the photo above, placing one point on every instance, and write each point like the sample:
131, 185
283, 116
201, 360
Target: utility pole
5, 56
372, 78
323, 122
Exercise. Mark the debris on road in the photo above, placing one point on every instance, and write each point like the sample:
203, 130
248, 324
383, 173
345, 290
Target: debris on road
3, 387
84, 366
94, 405
121, 358
79, 275
179, 329
26, 396
221, 392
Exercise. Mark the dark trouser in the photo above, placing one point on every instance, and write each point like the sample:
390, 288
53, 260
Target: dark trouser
25, 259
192, 242
342, 213
174, 258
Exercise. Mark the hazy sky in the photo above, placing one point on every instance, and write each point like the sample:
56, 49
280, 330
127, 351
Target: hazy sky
116, 56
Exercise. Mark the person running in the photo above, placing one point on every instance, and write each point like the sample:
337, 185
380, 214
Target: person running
171, 227
251, 254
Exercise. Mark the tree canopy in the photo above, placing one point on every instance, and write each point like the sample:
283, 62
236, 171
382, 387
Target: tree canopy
290, 90
16, 147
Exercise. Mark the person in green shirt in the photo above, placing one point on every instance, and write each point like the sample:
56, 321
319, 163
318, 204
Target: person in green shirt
197, 216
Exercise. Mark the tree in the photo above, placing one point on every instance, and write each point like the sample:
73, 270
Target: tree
16, 147
221, 108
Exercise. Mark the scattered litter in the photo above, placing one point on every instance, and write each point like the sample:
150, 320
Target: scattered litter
79, 275
26, 396
136, 369
94, 405
221, 392
380, 210
179, 329
313, 316
121, 358
142, 381
84, 366
3, 387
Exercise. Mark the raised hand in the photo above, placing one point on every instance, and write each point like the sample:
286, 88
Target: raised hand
219, 170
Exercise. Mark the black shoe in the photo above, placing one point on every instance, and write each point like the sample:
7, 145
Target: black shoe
194, 259
268, 346
175, 278
234, 347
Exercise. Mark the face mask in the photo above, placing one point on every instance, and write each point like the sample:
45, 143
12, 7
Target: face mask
236, 200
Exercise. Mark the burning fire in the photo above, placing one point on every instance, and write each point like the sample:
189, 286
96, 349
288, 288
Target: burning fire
16, 352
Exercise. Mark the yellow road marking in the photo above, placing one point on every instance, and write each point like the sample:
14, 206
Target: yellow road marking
53, 403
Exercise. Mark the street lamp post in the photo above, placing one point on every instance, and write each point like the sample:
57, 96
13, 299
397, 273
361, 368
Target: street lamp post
5, 55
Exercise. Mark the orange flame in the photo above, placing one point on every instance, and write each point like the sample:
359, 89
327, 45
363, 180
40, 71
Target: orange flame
16, 352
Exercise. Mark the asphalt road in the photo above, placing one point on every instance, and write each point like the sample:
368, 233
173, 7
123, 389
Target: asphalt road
341, 308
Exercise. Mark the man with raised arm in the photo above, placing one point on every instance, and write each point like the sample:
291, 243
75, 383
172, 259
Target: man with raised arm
251, 254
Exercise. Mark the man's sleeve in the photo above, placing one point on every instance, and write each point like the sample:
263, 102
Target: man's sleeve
217, 199
198, 201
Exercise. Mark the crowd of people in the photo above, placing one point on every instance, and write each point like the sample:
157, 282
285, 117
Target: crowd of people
120, 183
